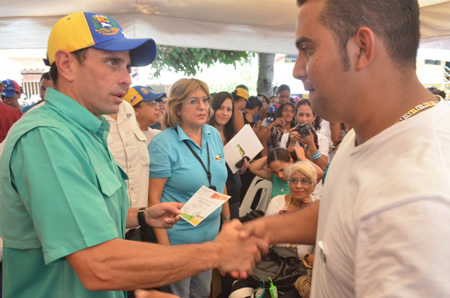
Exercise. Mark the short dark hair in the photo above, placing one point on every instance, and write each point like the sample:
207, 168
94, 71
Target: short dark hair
282, 88
253, 102
395, 21
45, 76
436, 91
80, 55
264, 97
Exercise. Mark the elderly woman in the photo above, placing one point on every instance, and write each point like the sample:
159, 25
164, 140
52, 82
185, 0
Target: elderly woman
302, 177
185, 156
273, 168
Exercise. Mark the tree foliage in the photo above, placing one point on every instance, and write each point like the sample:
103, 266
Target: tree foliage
190, 60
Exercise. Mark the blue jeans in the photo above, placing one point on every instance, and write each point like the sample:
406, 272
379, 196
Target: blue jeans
198, 286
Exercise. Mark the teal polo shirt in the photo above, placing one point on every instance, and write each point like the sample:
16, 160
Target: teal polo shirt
171, 158
61, 192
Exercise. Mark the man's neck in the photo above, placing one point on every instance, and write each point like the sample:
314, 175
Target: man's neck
144, 126
388, 110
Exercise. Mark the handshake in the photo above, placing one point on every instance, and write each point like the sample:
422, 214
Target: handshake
235, 251
240, 248
237, 248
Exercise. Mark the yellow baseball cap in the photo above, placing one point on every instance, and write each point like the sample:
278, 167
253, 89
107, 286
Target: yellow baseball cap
241, 92
82, 30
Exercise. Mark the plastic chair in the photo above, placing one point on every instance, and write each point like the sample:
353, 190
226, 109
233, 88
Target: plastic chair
249, 199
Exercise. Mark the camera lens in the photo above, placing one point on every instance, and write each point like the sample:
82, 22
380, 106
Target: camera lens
303, 129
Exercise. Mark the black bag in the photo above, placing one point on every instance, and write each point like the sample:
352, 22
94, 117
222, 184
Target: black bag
282, 265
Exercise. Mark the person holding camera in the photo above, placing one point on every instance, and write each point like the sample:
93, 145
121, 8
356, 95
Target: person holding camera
284, 121
315, 144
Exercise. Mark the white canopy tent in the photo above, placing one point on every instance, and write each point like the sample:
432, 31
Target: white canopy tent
251, 25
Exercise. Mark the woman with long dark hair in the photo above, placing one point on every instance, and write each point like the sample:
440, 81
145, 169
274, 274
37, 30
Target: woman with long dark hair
222, 118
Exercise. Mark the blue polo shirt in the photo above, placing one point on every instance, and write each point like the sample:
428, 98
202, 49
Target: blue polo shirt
61, 192
171, 158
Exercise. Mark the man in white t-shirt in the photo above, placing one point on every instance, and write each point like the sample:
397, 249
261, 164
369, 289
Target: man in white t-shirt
382, 223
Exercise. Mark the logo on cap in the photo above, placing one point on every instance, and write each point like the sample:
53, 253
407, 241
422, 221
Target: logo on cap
104, 25
144, 91
133, 99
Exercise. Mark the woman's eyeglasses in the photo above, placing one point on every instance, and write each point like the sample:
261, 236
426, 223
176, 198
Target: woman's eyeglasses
195, 101
303, 182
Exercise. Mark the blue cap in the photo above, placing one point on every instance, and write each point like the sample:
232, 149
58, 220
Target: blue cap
82, 30
10, 87
137, 94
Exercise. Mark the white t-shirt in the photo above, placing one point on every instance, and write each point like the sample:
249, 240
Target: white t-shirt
128, 145
325, 129
383, 221
150, 133
276, 204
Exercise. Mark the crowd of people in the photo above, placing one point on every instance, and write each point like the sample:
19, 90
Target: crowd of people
96, 160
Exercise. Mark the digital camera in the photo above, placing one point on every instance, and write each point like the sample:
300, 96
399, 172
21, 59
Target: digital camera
304, 129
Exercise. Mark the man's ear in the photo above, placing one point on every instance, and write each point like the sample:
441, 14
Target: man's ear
64, 61
137, 112
364, 44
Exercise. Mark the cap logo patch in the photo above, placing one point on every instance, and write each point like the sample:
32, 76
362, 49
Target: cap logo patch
104, 25
144, 91
133, 99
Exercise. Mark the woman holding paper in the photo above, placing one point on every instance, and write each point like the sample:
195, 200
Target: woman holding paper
222, 118
185, 156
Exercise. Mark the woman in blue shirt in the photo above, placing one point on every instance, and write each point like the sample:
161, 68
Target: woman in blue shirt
185, 156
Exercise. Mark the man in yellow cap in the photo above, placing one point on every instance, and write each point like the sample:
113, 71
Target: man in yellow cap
64, 207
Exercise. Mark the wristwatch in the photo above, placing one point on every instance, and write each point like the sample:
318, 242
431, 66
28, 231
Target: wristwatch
141, 216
